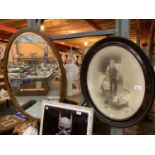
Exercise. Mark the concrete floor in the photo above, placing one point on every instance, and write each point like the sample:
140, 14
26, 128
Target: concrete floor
144, 127
4, 110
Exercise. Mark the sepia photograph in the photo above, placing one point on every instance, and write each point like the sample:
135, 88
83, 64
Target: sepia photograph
117, 94
114, 75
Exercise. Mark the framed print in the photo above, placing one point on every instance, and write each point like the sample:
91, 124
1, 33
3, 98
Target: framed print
117, 79
65, 119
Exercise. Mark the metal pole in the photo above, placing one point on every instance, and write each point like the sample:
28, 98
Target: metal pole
122, 30
84, 34
116, 131
32, 23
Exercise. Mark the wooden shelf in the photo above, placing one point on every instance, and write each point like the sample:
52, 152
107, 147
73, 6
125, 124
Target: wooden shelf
32, 89
1, 64
2, 83
1, 76
36, 58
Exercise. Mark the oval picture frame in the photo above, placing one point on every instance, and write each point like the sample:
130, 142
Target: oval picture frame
89, 64
54, 49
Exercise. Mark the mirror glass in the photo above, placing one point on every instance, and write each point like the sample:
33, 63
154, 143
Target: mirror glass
34, 73
72, 52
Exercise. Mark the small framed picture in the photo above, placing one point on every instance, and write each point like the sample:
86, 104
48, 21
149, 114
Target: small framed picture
65, 119
117, 79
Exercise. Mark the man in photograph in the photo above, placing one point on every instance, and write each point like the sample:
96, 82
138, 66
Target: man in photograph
112, 74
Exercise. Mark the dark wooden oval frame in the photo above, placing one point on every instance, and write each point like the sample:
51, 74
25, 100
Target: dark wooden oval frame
148, 76
63, 75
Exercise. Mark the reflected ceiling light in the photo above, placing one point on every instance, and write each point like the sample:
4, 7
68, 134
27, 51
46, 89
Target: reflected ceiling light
85, 43
42, 28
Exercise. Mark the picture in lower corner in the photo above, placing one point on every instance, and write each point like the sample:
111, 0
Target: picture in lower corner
62, 121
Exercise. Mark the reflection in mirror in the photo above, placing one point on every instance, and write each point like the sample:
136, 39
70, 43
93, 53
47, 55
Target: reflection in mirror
33, 71
72, 52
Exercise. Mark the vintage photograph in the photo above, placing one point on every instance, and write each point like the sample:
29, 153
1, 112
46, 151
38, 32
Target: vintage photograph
61, 120
116, 93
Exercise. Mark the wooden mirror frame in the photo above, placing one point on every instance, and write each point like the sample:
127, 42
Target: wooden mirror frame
56, 53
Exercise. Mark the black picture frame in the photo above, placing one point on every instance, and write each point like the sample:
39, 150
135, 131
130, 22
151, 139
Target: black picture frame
148, 73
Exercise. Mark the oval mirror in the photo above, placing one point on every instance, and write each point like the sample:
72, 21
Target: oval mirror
33, 71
